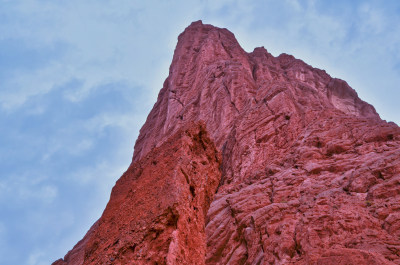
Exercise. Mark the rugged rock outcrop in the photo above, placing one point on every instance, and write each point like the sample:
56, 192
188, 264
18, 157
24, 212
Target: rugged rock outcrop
157, 209
308, 173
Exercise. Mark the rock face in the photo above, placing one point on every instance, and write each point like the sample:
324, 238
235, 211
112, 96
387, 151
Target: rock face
247, 158
157, 210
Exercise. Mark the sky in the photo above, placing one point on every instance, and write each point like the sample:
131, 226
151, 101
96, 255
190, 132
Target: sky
78, 78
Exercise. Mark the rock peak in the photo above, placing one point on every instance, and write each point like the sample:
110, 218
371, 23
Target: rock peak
247, 158
196, 23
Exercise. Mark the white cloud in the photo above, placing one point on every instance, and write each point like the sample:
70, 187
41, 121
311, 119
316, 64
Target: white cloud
19, 88
26, 188
104, 44
78, 148
373, 21
44, 193
35, 257
101, 121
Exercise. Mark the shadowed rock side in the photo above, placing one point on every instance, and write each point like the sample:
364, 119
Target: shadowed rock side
156, 213
310, 173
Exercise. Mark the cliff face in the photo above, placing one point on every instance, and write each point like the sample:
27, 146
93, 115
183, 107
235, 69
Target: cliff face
247, 158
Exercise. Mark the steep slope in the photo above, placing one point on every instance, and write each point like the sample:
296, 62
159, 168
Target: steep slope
309, 172
157, 209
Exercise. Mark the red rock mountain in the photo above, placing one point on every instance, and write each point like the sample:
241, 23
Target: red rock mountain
247, 158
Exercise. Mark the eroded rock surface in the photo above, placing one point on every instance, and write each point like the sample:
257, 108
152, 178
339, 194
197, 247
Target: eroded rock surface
156, 213
310, 173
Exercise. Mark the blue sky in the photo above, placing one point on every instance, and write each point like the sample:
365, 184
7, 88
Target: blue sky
78, 78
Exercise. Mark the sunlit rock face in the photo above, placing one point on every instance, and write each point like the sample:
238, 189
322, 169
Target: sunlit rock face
247, 158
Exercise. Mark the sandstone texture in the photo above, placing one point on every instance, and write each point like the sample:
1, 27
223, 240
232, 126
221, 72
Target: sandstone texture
157, 209
247, 158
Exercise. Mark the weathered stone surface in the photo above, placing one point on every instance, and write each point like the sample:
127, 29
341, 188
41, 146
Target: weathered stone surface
310, 173
156, 213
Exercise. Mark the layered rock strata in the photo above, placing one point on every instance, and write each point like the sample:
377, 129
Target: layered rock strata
309, 172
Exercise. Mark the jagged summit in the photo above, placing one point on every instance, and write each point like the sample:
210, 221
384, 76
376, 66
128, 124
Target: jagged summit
243, 80
247, 158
